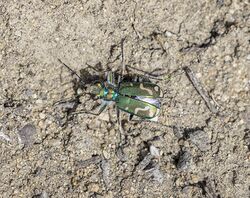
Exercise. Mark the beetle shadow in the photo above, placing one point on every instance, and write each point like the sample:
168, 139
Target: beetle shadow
88, 78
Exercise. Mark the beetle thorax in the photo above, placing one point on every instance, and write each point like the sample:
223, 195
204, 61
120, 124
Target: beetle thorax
108, 93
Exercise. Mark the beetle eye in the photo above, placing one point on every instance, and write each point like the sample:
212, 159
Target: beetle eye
96, 89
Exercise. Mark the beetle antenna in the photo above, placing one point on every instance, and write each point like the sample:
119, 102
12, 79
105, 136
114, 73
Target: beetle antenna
72, 71
123, 59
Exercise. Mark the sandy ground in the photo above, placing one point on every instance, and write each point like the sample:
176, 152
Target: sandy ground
190, 152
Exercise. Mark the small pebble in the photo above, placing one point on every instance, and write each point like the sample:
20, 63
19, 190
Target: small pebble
79, 91
184, 161
195, 179
158, 176
34, 96
200, 139
241, 109
39, 101
5, 137
104, 116
154, 151
18, 33
42, 116
186, 144
179, 182
106, 154
168, 34
26, 134
93, 187
227, 58
112, 132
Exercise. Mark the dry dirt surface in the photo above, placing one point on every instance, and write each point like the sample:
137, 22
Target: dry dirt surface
196, 51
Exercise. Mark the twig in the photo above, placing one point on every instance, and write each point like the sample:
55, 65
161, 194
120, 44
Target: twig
5, 137
146, 160
96, 159
201, 91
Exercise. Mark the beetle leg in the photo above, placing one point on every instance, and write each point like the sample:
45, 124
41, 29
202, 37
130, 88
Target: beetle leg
146, 73
101, 108
110, 78
120, 78
136, 79
166, 76
123, 60
140, 79
119, 123
68, 100
130, 117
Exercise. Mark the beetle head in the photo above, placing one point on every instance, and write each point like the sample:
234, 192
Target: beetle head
97, 89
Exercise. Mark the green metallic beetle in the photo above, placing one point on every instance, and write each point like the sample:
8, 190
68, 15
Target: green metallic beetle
136, 98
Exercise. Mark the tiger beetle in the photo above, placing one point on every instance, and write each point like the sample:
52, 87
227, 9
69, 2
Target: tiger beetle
136, 98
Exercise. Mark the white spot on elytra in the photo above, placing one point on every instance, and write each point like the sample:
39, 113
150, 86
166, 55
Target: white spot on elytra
150, 92
146, 108
158, 111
